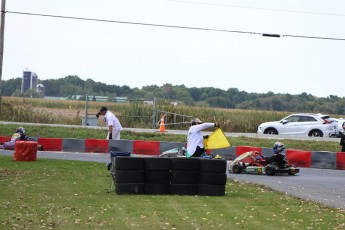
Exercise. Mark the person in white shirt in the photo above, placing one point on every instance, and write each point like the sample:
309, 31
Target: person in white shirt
195, 139
111, 121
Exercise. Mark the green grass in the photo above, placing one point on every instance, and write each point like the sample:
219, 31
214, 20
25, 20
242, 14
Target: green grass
55, 194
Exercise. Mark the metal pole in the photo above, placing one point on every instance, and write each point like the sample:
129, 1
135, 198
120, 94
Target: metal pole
154, 114
86, 107
2, 33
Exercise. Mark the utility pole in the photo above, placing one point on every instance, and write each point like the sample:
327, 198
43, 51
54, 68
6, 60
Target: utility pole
2, 32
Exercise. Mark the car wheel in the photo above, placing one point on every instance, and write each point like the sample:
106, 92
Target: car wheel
270, 170
271, 131
316, 133
237, 169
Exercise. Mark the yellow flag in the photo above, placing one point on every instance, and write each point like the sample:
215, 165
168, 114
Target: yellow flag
217, 140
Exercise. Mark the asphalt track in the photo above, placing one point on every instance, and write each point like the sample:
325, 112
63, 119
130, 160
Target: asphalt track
325, 186
320, 185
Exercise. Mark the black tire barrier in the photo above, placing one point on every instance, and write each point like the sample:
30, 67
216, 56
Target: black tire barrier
157, 163
184, 189
212, 165
129, 176
184, 177
129, 188
157, 177
184, 164
129, 163
212, 178
211, 190
157, 189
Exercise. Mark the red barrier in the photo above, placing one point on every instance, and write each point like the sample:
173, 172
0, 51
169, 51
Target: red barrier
50, 144
340, 160
146, 147
3, 139
244, 149
25, 151
96, 146
299, 158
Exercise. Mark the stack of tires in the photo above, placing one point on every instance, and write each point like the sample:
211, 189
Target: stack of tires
129, 175
184, 176
157, 175
177, 176
212, 177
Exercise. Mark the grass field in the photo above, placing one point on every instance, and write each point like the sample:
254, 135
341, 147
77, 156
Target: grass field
55, 194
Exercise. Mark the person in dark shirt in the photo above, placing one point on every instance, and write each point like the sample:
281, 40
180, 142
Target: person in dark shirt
278, 156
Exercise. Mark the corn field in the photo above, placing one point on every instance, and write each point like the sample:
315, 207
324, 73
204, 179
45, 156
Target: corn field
132, 114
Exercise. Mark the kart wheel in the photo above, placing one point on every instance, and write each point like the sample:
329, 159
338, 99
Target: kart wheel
292, 172
270, 170
237, 169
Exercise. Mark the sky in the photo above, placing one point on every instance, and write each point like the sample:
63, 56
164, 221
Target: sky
199, 43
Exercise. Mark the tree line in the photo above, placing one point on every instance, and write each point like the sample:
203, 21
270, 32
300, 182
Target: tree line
231, 98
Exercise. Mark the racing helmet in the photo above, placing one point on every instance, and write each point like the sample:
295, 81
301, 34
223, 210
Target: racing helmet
278, 147
20, 130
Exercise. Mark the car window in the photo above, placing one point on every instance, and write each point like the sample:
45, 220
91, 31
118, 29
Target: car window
292, 119
306, 119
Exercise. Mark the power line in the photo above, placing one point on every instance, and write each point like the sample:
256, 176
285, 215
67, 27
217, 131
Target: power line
173, 26
256, 8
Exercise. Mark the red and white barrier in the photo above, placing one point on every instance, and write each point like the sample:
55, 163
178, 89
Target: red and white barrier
306, 159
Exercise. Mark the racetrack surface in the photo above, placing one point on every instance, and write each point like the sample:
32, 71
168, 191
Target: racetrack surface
320, 185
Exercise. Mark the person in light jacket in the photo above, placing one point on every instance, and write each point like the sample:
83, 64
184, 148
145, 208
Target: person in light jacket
195, 139
111, 121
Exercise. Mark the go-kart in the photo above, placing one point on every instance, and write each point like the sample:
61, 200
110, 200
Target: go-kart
181, 152
249, 163
175, 152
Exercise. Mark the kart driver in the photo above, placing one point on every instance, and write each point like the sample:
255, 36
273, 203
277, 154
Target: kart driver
278, 154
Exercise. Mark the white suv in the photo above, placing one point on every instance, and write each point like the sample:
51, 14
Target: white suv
302, 124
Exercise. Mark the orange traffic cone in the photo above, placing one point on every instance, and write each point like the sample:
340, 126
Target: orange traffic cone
161, 126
